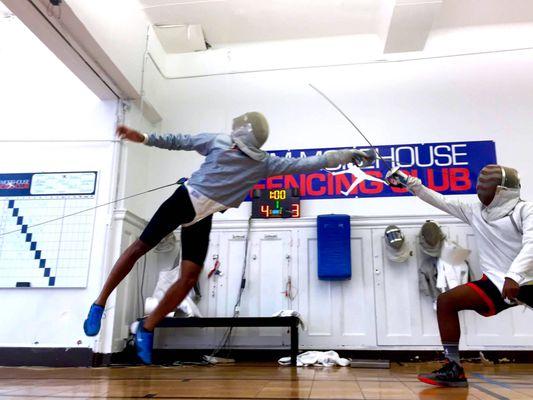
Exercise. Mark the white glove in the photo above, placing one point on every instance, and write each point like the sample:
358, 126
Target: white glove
397, 178
360, 158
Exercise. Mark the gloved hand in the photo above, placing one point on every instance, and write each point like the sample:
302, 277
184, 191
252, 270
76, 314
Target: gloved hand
360, 158
366, 158
397, 178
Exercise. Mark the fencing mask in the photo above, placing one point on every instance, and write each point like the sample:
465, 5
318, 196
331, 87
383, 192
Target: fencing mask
492, 178
394, 237
249, 133
396, 247
431, 238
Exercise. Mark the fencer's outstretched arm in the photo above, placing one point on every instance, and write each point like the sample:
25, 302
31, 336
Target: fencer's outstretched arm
202, 142
521, 270
331, 159
287, 166
458, 209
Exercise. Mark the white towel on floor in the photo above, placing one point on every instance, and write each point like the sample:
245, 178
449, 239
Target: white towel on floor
317, 358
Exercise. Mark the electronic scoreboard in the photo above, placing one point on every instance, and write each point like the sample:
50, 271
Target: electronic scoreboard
276, 203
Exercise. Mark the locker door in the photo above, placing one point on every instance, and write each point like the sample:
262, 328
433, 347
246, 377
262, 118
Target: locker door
338, 314
404, 315
266, 274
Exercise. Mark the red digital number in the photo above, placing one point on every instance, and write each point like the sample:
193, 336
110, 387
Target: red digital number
265, 210
295, 210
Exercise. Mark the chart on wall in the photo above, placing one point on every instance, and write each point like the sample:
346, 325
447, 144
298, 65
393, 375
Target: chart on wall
41, 243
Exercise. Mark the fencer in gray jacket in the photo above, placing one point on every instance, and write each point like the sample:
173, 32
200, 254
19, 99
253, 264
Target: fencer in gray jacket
233, 165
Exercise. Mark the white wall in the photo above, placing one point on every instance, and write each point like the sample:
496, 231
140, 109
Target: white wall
41, 98
479, 97
120, 28
483, 97
43, 101
136, 176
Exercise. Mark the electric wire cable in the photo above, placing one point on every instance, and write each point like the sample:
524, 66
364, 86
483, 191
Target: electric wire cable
224, 342
92, 208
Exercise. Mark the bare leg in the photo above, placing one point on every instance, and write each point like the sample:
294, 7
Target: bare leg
175, 294
121, 268
449, 304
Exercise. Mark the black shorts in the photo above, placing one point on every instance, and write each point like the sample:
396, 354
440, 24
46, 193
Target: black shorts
175, 211
493, 297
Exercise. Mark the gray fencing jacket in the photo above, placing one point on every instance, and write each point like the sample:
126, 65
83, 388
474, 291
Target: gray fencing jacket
227, 174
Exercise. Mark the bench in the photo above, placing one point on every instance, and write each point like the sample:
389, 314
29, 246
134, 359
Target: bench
254, 322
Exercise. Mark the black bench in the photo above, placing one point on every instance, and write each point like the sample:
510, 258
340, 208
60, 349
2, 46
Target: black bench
254, 322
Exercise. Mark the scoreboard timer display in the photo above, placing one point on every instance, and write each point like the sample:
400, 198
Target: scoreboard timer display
276, 203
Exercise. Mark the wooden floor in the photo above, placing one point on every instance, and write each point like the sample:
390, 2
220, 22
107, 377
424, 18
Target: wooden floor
267, 381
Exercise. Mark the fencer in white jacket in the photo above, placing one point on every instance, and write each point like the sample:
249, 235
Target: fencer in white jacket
503, 228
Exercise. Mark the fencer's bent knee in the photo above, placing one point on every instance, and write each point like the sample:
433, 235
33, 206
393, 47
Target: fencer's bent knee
445, 301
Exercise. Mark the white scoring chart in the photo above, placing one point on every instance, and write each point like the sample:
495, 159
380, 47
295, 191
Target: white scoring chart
40, 244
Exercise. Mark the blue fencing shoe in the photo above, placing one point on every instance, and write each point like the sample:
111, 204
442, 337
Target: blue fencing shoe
144, 341
91, 326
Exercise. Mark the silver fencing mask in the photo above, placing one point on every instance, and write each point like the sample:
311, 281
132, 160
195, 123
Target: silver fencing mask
431, 238
394, 237
396, 249
493, 176
249, 133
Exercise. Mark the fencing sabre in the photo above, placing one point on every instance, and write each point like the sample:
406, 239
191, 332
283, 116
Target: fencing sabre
179, 182
389, 167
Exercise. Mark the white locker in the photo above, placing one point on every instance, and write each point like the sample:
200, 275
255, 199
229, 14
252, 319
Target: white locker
269, 263
404, 316
337, 314
380, 307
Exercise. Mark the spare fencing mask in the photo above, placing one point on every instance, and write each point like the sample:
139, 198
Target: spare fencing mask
396, 249
493, 178
249, 133
394, 237
431, 238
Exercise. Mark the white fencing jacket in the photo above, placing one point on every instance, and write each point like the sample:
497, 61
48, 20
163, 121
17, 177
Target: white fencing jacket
503, 231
